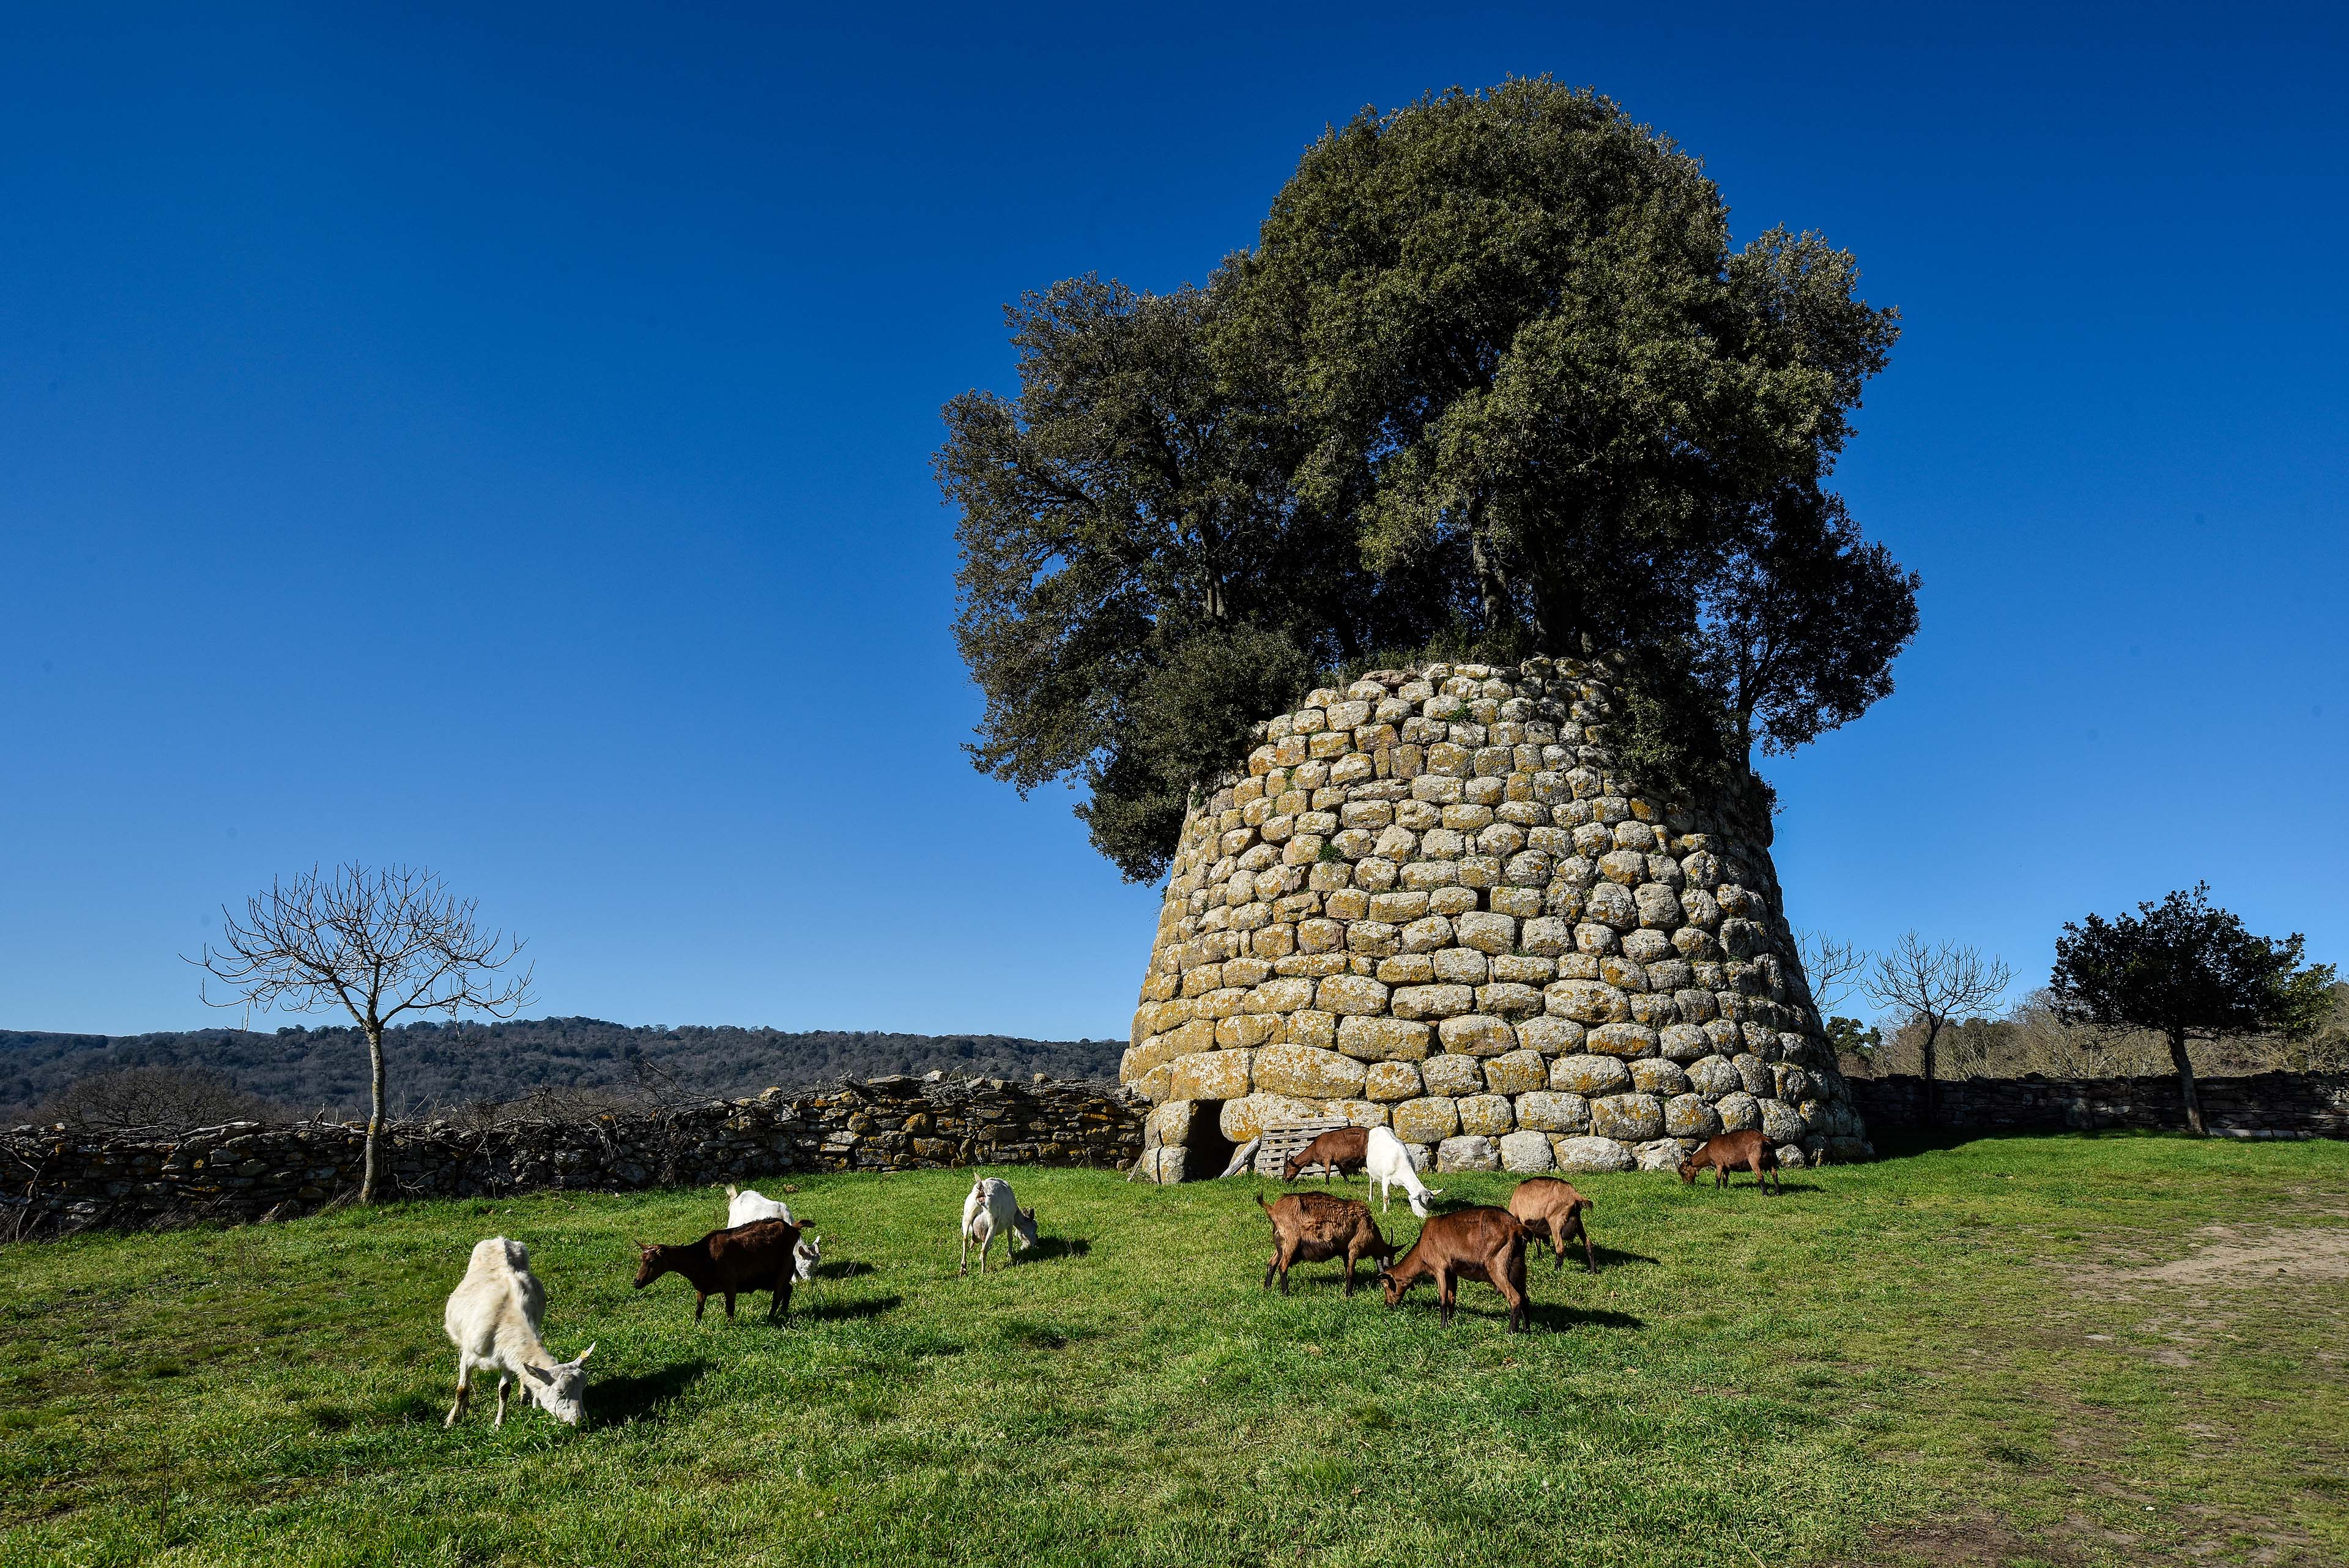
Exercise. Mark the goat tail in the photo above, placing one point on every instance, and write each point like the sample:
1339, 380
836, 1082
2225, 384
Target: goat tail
1260, 1203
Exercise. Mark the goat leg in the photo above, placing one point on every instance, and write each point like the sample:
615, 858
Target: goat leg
464, 1392
502, 1380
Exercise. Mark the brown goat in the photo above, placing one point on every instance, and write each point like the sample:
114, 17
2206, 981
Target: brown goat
761, 1256
1335, 1152
1747, 1150
1477, 1243
1548, 1206
1312, 1226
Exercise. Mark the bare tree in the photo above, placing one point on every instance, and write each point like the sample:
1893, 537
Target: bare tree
378, 943
154, 1098
1832, 968
1931, 985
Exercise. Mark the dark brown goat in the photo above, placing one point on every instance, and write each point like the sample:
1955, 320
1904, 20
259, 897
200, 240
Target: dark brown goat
1548, 1206
1747, 1150
1312, 1226
759, 1256
1478, 1243
1336, 1152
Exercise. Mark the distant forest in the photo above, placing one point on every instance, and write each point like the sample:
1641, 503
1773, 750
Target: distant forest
442, 1066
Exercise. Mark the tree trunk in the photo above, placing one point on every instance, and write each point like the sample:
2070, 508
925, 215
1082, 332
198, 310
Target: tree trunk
2186, 1083
375, 1112
1932, 1118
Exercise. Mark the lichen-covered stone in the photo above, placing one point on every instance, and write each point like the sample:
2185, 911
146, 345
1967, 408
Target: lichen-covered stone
1429, 1119
1466, 1152
1426, 1002
1780, 1124
1211, 1075
1389, 1081
1249, 1115
1658, 1154
1551, 1036
1515, 1072
1588, 1153
1622, 1040
1690, 1115
1628, 1118
1654, 1076
1526, 1153
1738, 1111
1383, 1039
1486, 1113
1547, 1110
1590, 1075
1305, 1073
1477, 1034
1449, 1072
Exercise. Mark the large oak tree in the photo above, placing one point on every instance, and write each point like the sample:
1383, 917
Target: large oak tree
1492, 377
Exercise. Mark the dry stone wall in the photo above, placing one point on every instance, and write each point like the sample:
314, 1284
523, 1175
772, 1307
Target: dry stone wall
2263, 1106
1431, 903
58, 1181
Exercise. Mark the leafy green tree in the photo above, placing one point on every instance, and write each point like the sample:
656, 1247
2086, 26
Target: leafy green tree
1491, 375
1140, 581
2187, 971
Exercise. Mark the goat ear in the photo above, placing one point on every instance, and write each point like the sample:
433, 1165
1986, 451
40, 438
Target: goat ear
541, 1373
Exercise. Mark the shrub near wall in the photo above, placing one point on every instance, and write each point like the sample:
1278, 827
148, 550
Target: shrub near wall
245, 1171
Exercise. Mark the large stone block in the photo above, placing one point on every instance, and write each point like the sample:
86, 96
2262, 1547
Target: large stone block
1780, 1125
1688, 1115
1592, 1154
1389, 1081
1622, 1040
1383, 1039
1211, 1075
1417, 1002
1305, 1073
1659, 1154
1738, 1111
1551, 1036
1628, 1118
1467, 1152
1488, 1115
1447, 1073
1477, 1034
1515, 1072
1251, 1114
1546, 1110
1654, 1076
1526, 1153
1344, 994
1590, 1075
1429, 1119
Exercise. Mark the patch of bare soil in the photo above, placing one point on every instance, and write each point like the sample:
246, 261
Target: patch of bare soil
1976, 1539
2235, 1256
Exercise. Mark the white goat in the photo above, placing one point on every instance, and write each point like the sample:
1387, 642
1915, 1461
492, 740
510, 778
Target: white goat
492, 1319
1386, 1164
746, 1204
990, 1211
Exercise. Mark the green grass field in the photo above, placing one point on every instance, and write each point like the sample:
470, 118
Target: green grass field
2030, 1350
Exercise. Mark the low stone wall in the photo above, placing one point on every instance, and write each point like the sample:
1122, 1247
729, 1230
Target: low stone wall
56, 1181
2272, 1104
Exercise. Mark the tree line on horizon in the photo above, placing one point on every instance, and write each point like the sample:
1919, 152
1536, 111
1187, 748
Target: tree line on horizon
183, 1078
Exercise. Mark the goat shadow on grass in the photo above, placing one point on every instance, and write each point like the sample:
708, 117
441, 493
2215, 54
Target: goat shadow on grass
849, 1310
846, 1269
623, 1401
1557, 1316
1050, 1247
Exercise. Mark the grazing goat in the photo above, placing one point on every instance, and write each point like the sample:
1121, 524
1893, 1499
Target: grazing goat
1334, 1151
492, 1319
1548, 1206
1312, 1226
1388, 1164
1475, 1243
746, 1204
740, 1259
990, 1211
1747, 1150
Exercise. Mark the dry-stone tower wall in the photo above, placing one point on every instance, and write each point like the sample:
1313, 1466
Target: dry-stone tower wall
1431, 903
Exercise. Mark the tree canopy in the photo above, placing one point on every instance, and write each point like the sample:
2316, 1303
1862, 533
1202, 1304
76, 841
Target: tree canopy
1492, 377
2186, 968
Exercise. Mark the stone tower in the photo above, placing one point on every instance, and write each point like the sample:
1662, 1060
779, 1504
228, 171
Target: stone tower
1430, 903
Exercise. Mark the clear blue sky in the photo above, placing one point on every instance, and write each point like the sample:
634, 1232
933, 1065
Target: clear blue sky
503, 445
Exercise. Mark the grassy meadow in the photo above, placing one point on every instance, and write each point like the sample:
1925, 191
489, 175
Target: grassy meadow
2025, 1350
